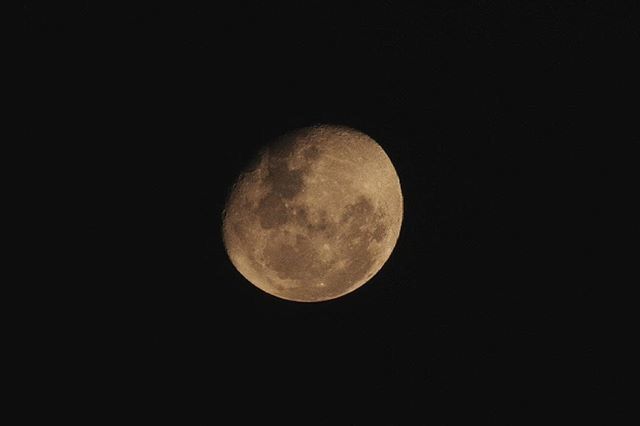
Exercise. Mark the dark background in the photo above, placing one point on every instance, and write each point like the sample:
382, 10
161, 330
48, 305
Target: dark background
501, 303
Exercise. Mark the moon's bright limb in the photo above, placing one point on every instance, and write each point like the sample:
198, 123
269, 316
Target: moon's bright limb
316, 216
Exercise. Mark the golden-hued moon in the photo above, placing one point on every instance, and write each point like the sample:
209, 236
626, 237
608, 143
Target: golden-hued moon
316, 215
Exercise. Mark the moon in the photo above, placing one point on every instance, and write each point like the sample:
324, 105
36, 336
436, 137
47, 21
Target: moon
316, 215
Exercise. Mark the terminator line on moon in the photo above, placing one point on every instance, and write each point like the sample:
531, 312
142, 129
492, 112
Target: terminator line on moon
316, 216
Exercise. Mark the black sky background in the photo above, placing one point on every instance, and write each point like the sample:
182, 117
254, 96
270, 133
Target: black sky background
501, 301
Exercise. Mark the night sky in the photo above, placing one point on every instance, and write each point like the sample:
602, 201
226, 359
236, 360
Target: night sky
496, 306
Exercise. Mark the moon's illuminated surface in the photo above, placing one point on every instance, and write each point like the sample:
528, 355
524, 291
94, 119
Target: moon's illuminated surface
316, 216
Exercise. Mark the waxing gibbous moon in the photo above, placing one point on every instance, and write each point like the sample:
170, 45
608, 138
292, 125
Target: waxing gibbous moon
315, 216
